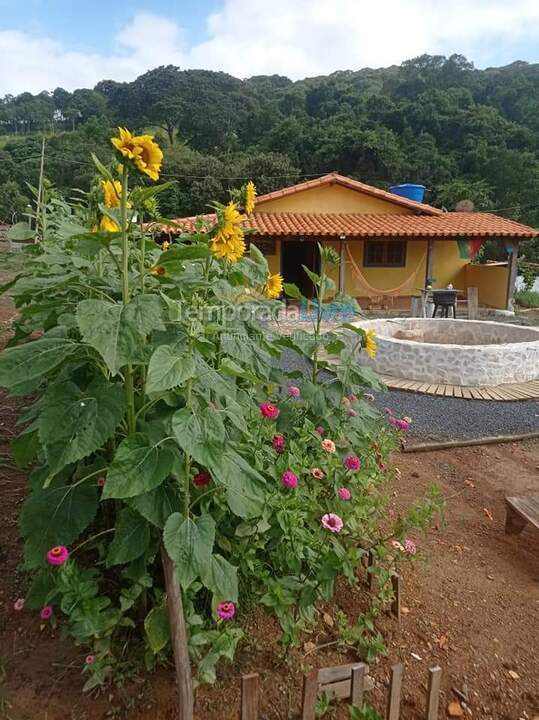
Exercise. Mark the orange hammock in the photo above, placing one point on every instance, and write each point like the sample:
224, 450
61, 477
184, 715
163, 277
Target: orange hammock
367, 290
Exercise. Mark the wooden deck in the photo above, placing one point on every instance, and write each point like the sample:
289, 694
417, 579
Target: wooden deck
511, 391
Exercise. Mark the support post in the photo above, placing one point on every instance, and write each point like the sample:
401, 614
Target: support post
178, 637
358, 684
473, 303
396, 604
512, 249
249, 697
394, 702
342, 266
433, 697
310, 695
429, 262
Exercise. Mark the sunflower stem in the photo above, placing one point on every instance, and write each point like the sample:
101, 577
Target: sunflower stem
129, 383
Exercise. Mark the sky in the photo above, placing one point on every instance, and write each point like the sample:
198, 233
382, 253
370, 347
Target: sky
46, 44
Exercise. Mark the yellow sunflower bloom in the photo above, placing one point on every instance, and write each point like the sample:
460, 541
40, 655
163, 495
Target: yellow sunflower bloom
274, 285
108, 225
111, 193
230, 247
232, 218
370, 344
142, 150
250, 197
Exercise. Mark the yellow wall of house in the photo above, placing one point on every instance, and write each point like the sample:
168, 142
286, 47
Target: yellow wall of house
491, 283
331, 199
448, 266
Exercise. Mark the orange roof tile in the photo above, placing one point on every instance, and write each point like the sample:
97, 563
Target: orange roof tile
451, 225
336, 179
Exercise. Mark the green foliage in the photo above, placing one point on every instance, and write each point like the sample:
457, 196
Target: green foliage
148, 371
527, 298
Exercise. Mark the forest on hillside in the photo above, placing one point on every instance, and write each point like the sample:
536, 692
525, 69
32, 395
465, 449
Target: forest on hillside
464, 133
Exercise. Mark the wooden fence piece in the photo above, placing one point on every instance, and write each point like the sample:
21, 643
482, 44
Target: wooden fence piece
249, 696
358, 684
310, 694
370, 576
394, 700
433, 696
396, 604
473, 303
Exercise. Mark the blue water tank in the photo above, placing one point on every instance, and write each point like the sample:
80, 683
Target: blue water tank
409, 191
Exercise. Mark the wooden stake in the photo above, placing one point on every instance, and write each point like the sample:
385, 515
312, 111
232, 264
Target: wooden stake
473, 303
310, 694
433, 697
370, 564
178, 636
249, 697
358, 684
396, 604
40, 190
394, 702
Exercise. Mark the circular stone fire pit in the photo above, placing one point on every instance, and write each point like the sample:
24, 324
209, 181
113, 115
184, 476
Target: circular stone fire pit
458, 352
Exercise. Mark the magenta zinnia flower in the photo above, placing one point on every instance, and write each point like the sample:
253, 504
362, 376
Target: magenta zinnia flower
89, 659
57, 555
226, 610
332, 522
352, 462
201, 479
352, 397
278, 443
352, 412
344, 493
18, 604
320, 430
46, 613
294, 391
269, 411
410, 547
289, 479
100, 482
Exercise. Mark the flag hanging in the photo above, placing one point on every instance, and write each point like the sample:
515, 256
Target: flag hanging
468, 249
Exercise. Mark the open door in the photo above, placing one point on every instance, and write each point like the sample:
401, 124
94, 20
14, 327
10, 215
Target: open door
295, 254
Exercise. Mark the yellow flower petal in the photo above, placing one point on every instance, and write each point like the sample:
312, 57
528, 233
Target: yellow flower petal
274, 285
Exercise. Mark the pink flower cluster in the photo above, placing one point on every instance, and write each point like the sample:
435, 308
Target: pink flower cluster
352, 462
294, 392
46, 613
201, 479
289, 479
328, 445
344, 493
278, 443
226, 610
269, 411
399, 423
57, 555
332, 522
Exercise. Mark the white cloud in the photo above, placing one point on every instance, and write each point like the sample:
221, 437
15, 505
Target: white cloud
297, 38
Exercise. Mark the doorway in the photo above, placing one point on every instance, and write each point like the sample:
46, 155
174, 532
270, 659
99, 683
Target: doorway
294, 254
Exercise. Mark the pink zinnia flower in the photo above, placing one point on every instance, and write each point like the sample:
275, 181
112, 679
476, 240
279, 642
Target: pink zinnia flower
403, 424
57, 555
18, 604
345, 401
320, 430
269, 411
294, 391
382, 466
317, 473
278, 443
352, 462
201, 479
328, 445
388, 411
289, 479
352, 397
332, 522
410, 547
344, 493
226, 610
368, 396
100, 482
352, 412
89, 659
46, 613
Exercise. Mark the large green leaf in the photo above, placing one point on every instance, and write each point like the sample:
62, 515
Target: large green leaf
55, 516
244, 485
137, 467
20, 232
156, 505
73, 423
32, 361
157, 627
201, 434
169, 369
189, 544
131, 538
221, 578
118, 332
175, 257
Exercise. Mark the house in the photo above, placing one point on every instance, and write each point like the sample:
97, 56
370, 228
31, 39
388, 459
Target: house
390, 246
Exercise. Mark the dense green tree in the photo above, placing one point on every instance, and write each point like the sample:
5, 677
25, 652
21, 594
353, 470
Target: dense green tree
12, 202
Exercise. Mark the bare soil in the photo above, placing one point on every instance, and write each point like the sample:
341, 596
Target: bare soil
471, 605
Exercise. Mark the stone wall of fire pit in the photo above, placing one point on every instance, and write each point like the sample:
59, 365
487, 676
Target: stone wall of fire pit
454, 352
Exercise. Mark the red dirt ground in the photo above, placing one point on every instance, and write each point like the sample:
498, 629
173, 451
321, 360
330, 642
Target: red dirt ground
471, 605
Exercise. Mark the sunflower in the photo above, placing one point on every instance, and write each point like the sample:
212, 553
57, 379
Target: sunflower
370, 344
231, 247
142, 150
232, 218
112, 191
108, 225
250, 197
274, 285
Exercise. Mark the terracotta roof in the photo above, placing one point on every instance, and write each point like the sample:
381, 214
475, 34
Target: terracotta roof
454, 225
336, 179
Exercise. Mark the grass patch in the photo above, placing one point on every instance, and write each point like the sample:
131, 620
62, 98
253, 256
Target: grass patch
527, 298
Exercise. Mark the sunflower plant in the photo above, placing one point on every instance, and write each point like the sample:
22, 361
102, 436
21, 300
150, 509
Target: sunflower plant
177, 475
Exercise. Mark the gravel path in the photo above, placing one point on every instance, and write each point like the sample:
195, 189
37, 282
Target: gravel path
440, 418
